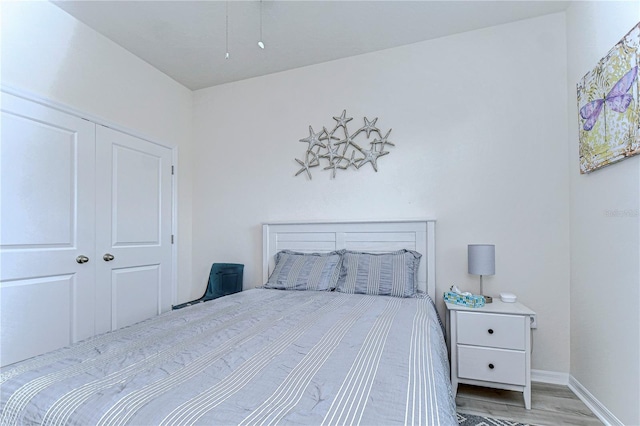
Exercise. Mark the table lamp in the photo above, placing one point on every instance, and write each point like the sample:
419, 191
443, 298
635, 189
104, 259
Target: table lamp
482, 261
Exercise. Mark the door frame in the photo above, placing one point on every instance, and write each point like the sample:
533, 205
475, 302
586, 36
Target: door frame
30, 96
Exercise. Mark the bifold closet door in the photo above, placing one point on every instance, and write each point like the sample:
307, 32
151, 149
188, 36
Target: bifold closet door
47, 229
133, 229
85, 229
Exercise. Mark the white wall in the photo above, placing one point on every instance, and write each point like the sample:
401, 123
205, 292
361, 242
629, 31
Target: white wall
480, 133
47, 52
605, 246
480, 125
480, 130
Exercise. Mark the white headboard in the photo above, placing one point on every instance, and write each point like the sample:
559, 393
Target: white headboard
319, 237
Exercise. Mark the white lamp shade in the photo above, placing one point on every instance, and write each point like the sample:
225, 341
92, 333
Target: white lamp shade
482, 259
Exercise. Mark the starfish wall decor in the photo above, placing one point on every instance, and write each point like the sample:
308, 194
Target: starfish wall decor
343, 153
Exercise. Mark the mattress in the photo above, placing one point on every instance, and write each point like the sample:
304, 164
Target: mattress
256, 357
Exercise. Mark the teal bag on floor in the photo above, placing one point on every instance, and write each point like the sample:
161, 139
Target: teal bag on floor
224, 279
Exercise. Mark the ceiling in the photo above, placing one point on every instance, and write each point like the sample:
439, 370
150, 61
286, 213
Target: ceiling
186, 39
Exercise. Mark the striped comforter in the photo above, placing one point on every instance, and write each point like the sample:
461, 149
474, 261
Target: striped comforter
256, 357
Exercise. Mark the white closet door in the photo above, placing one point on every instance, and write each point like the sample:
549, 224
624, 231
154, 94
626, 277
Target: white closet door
47, 221
133, 217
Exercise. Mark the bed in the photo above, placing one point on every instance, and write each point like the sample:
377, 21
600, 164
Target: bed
275, 354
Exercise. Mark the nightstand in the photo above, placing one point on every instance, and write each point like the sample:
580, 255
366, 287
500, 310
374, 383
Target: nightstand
491, 346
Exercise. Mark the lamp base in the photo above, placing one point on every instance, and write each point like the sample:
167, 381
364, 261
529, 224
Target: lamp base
487, 299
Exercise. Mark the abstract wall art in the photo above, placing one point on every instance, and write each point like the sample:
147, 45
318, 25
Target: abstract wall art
608, 107
341, 150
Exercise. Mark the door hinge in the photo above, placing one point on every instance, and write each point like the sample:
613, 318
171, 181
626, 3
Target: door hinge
171, 238
173, 171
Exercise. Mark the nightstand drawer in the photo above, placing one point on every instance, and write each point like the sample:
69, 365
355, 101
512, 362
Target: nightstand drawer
494, 330
492, 365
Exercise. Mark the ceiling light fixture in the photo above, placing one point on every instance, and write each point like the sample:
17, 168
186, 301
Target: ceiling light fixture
260, 43
226, 6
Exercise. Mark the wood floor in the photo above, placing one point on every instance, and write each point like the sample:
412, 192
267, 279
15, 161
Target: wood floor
551, 405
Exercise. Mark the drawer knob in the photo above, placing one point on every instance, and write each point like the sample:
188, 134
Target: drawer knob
490, 331
491, 366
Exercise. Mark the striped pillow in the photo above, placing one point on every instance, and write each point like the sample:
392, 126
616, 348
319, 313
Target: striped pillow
385, 274
305, 271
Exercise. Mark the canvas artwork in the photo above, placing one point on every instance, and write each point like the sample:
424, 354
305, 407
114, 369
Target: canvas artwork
609, 111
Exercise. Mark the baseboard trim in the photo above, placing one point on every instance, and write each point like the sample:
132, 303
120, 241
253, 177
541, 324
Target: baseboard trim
552, 377
592, 402
565, 379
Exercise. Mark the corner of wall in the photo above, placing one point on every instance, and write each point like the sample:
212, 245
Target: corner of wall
606, 416
604, 248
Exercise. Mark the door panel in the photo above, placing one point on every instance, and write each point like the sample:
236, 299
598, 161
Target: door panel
28, 334
38, 163
133, 215
135, 294
47, 218
136, 198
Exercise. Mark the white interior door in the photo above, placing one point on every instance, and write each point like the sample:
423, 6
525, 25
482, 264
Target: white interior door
133, 232
47, 221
